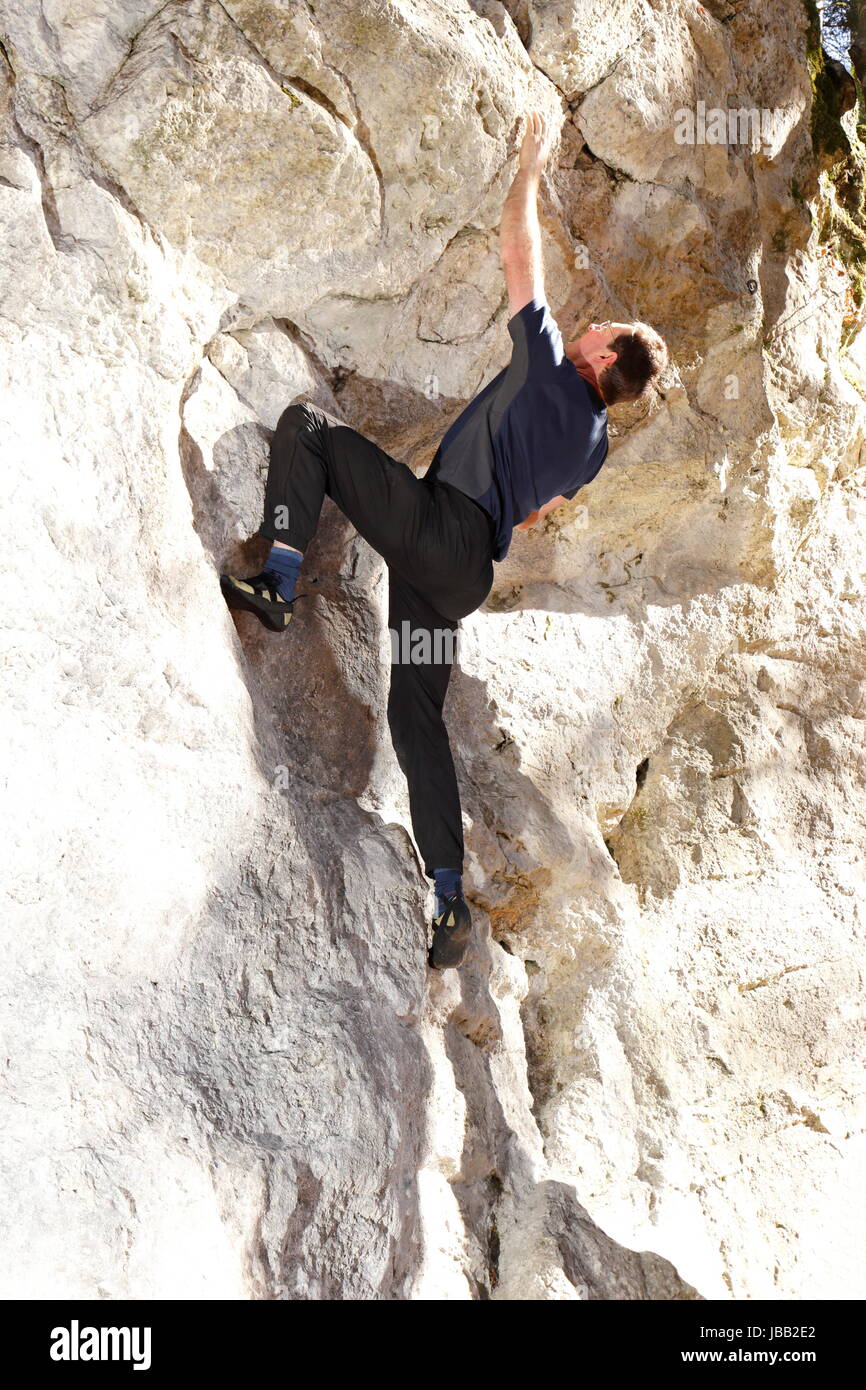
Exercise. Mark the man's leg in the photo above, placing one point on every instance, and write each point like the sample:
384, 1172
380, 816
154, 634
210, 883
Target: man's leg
437, 545
427, 532
422, 655
419, 684
314, 456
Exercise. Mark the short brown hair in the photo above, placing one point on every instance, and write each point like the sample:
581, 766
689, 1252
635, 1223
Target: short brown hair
641, 357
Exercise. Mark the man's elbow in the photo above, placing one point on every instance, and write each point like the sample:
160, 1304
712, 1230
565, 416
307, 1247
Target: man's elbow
515, 253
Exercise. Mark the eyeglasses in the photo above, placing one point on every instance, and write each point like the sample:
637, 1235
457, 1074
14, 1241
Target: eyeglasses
609, 326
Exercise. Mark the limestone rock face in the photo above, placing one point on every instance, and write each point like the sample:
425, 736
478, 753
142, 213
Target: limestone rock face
227, 1071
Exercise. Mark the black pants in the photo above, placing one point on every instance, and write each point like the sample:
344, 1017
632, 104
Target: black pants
437, 544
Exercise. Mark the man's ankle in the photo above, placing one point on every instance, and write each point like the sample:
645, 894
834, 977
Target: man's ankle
284, 563
446, 882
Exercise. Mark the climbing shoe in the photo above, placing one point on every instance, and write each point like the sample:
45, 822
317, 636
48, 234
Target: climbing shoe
258, 595
451, 932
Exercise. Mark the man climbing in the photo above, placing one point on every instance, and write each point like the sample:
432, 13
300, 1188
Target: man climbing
527, 442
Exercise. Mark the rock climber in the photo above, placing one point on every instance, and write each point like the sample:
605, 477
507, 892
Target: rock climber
525, 444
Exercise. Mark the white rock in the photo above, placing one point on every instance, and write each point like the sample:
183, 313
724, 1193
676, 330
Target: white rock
227, 1072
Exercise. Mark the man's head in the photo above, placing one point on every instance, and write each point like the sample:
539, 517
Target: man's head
624, 358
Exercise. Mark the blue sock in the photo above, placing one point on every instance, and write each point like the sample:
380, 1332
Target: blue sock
446, 881
285, 565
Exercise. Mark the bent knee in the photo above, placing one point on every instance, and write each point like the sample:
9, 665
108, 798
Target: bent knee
301, 414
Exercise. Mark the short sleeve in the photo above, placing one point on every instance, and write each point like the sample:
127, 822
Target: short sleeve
572, 493
537, 339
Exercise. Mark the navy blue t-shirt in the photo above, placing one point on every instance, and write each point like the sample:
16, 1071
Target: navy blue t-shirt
538, 430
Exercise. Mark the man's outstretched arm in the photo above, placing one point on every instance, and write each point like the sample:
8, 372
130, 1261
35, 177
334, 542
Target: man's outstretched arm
519, 232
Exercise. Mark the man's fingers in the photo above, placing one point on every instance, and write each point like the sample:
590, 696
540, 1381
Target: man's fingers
538, 126
538, 137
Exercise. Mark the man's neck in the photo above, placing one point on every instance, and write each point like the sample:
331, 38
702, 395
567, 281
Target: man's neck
589, 375
577, 359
